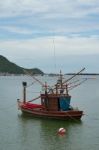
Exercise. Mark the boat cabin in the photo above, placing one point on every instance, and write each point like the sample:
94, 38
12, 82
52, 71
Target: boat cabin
55, 102
56, 99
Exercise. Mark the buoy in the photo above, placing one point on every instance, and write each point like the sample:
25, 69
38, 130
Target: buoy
61, 131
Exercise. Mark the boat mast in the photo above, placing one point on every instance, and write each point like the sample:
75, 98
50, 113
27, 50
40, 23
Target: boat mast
62, 85
61, 82
24, 91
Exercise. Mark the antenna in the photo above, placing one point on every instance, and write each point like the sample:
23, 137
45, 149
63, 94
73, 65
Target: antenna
54, 53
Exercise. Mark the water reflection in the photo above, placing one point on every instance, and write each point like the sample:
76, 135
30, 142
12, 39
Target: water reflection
45, 131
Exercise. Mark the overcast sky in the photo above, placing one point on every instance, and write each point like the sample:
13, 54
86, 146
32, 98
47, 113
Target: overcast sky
51, 34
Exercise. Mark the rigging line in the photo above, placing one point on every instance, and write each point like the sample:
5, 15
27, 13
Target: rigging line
34, 99
74, 75
54, 53
77, 84
30, 84
70, 83
70, 78
28, 73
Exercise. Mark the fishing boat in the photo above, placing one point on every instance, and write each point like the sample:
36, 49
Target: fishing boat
54, 100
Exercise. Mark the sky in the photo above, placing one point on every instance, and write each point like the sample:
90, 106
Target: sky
51, 35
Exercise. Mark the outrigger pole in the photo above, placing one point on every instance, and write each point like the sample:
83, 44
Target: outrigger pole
69, 78
74, 75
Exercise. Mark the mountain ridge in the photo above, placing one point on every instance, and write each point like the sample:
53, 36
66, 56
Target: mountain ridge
8, 67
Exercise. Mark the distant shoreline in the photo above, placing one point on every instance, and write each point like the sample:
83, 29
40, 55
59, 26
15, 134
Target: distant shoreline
8, 74
82, 74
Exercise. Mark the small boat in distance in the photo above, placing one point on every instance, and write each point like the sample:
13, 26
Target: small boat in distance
54, 101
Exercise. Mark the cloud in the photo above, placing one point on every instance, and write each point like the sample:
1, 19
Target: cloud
88, 2
21, 7
44, 47
49, 9
14, 29
34, 18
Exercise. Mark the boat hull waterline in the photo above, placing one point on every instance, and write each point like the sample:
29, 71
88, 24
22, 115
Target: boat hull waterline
38, 111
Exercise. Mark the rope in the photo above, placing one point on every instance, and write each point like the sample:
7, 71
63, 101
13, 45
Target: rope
76, 120
28, 73
34, 99
70, 88
30, 84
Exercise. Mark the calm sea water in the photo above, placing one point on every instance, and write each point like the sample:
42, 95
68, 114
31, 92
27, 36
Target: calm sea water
18, 132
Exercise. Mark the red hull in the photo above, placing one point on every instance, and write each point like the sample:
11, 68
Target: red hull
38, 111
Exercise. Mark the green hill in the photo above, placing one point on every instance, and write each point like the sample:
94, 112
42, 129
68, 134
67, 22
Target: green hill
7, 67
